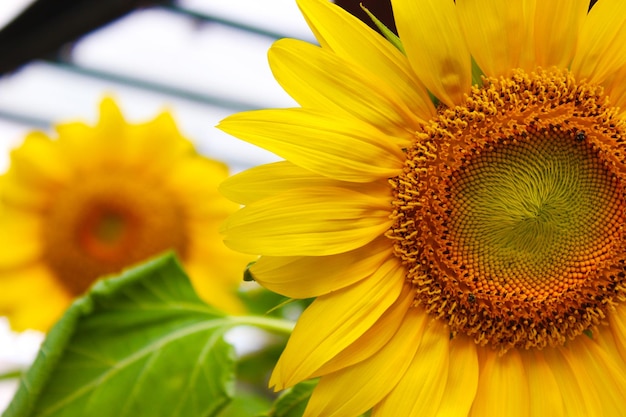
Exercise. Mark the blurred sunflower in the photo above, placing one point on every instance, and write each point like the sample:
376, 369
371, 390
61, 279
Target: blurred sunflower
468, 257
99, 198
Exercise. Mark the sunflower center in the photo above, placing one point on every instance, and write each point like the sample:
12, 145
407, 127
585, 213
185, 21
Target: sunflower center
525, 213
510, 213
106, 222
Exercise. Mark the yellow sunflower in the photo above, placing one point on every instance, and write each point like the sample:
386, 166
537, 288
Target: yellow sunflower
99, 198
468, 258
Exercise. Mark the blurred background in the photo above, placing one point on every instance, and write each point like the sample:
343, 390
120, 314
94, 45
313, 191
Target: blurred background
200, 59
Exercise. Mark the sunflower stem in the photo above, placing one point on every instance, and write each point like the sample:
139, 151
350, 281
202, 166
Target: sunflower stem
14, 374
269, 324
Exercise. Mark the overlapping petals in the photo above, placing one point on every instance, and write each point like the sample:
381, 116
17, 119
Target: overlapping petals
320, 218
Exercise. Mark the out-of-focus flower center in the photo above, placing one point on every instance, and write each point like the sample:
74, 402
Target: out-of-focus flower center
103, 223
510, 212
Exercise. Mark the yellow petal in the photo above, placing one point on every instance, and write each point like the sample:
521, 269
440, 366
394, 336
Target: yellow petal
39, 163
206, 246
335, 146
351, 391
111, 118
353, 40
312, 276
345, 315
617, 320
213, 287
270, 179
17, 283
573, 382
308, 222
21, 238
502, 387
603, 375
543, 388
601, 48
31, 298
421, 389
266, 180
80, 143
377, 336
499, 34
557, 25
462, 378
18, 195
319, 79
194, 183
615, 88
138, 145
437, 51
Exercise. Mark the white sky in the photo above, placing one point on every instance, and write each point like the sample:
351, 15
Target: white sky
11, 8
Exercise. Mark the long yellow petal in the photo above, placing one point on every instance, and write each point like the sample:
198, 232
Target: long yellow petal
615, 88
601, 48
332, 145
421, 389
617, 320
502, 387
319, 79
544, 391
499, 33
312, 276
578, 399
346, 314
557, 27
353, 40
354, 390
271, 179
462, 378
603, 375
377, 336
308, 222
437, 51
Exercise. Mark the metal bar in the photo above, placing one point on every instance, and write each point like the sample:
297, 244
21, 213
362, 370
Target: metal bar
155, 87
237, 25
25, 120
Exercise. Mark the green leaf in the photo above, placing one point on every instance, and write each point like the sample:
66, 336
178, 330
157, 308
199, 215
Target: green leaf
254, 368
246, 404
141, 344
293, 401
260, 301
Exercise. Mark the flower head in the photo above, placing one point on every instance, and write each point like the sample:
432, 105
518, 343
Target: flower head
97, 199
468, 258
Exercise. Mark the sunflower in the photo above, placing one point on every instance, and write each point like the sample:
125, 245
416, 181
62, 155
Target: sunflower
455, 201
99, 198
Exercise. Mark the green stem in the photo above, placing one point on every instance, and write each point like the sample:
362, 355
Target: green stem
266, 323
11, 375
